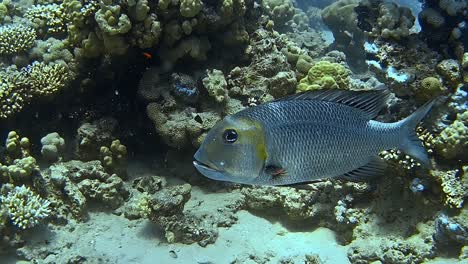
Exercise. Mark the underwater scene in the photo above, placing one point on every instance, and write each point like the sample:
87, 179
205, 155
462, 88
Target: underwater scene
233, 131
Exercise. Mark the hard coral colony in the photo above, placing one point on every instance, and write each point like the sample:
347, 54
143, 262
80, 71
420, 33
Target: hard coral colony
103, 104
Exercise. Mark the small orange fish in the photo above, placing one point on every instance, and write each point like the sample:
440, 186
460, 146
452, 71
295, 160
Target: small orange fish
147, 55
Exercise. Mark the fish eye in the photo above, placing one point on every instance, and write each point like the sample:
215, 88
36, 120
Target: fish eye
230, 136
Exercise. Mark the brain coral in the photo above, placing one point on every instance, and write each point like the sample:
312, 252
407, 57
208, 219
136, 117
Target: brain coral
325, 75
15, 38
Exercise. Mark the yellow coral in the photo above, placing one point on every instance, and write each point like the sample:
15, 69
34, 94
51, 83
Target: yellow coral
453, 140
51, 17
429, 88
190, 8
47, 80
13, 93
114, 158
16, 38
325, 75
454, 185
25, 208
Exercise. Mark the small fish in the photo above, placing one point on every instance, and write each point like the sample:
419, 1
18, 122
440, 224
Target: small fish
308, 137
147, 55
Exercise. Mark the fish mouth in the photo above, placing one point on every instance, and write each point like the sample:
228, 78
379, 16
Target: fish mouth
210, 172
204, 166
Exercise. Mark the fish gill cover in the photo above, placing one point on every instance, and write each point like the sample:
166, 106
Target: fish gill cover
103, 104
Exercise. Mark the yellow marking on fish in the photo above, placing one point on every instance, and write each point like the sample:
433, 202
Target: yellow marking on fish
253, 130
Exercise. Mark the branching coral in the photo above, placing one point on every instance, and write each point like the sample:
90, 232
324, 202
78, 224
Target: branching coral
13, 93
48, 19
15, 38
25, 208
114, 158
47, 80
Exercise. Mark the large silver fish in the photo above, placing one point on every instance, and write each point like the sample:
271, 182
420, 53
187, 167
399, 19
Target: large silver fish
307, 137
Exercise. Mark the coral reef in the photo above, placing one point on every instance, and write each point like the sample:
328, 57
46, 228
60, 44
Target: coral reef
454, 185
81, 182
23, 207
53, 147
452, 141
16, 38
91, 136
157, 76
442, 25
216, 85
349, 38
386, 20
325, 75
114, 158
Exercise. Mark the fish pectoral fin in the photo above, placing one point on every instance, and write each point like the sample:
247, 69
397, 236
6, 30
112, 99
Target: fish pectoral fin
275, 170
372, 170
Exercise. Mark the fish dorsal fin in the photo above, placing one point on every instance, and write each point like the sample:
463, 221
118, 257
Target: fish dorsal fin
369, 101
372, 170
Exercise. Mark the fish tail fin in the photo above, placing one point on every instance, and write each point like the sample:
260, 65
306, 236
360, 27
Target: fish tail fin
411, 144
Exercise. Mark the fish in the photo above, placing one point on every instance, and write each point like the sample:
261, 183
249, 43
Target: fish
308, 137
147, 55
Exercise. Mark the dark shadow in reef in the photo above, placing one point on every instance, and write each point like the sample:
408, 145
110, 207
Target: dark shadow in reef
151, 231
274, 216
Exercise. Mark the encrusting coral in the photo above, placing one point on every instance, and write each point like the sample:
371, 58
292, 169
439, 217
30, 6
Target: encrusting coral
325, 75
454, 185
216, 85
453, 140
53, 147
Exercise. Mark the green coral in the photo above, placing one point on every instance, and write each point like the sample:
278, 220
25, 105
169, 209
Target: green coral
22, 169
112, 21
280, 11
325, 75
24, 208
47, 80
114, 158
3, 11
16, 38
190, 8
48, 19
138, 9
229, 9
53, 146
453, 140
38, 80
13, 93
216, 85
52, 50
429, 88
